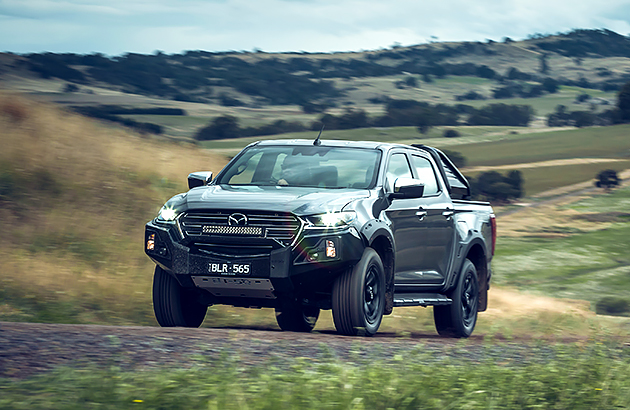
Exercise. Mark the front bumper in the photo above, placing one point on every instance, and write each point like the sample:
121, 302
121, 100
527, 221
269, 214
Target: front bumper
274, 271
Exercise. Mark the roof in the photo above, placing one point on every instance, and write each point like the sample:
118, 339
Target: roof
336, 143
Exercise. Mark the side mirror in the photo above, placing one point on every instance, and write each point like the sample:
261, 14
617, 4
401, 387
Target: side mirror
407, 188
199, 179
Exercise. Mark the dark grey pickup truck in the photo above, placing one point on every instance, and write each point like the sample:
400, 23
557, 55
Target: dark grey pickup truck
300, 226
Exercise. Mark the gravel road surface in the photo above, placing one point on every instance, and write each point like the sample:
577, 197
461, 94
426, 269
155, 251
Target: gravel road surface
30, 348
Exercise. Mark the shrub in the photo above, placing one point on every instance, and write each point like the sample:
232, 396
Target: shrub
614, 306
607, 179
450, 133
7, 185
493, 186
456, 157
70, 88
15, 110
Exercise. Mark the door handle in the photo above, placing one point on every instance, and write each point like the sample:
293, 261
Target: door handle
421, 213
448, 213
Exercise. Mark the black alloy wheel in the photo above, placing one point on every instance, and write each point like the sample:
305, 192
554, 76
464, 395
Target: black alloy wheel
358, 297
174, 305
459, 318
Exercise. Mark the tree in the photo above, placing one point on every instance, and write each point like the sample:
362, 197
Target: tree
515, 179
544, 65
225, 126
411, 82
607, 179
623, 102
550, 85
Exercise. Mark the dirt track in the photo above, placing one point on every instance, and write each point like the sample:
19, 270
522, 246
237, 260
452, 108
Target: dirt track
552, 163
29, 348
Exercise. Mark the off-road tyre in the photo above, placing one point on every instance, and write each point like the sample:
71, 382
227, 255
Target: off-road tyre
294, 317
459, 318
174, 305
358, 297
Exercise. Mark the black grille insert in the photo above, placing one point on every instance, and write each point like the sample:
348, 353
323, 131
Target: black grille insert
206, 224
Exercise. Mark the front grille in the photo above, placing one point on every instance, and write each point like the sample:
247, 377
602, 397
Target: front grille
283, 227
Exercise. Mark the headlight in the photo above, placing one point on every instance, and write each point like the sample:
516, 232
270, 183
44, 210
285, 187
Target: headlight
332, 219
172, 208
168, 214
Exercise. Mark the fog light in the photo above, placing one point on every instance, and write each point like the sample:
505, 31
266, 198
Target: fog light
151, 242
331, 252
313, 256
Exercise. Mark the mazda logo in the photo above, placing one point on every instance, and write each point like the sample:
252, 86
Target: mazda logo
237, 219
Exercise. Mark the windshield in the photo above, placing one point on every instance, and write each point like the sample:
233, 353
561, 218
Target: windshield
304, 166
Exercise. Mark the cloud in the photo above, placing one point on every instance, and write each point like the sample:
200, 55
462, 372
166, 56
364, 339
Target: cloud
118, 26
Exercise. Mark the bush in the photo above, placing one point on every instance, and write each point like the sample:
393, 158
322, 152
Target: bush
70, 88
493, 186
582, 98
450, 133
471, 95
613, 306
7, 185
456, 158
227, 101
607, 179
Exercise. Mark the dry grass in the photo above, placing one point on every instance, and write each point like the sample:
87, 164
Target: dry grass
74, 197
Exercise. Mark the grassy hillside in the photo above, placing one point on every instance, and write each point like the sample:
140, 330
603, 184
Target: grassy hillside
73, 200
260, 88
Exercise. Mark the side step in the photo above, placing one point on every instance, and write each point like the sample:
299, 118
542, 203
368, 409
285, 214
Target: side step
420, 299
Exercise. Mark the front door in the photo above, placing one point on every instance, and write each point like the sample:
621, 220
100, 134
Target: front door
432, 232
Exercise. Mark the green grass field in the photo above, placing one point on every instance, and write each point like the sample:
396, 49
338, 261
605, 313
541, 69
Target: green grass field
595, 142
582, 265
543, 178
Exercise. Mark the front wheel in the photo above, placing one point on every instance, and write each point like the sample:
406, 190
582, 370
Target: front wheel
172, 304
459, 318
294, 317
358, 297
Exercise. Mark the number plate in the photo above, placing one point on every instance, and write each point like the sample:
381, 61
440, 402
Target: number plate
229, 269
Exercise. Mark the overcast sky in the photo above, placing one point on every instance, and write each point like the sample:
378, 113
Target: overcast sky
115, 27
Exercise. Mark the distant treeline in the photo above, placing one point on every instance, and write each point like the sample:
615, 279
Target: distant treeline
119, 110
113, 113
300, 79
398, 113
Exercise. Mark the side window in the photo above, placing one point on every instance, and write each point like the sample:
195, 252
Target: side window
425, 172
398, 167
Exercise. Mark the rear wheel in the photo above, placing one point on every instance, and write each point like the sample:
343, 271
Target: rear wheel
174, 305
358, 297
459, 318
294, 317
